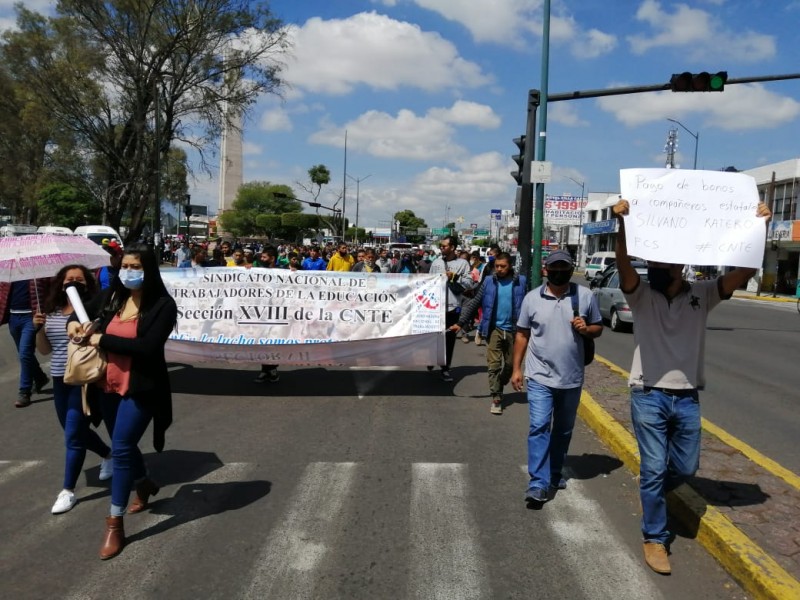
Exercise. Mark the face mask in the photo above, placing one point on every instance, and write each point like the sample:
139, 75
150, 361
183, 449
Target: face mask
490, 258
131, 279
659, 279
78, 285
368, 262
559, 278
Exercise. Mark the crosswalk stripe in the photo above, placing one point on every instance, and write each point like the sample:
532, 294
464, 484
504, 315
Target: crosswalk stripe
12, 469
579, 524
445, 553
148, 555
286, 567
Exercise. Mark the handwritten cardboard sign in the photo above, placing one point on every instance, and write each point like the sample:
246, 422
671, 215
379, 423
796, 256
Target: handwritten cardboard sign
693, 217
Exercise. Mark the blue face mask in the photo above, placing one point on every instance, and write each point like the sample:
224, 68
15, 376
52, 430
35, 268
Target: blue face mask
490, 258
131, 279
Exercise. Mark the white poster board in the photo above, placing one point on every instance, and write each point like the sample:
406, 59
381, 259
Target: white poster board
693, 217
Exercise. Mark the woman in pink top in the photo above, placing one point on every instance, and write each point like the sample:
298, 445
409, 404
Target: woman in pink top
137, 315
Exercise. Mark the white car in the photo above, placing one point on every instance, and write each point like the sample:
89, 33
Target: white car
611, 301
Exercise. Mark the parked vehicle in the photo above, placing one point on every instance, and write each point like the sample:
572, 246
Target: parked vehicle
599, 261
610, 299
54, 230
98, 233
14, 230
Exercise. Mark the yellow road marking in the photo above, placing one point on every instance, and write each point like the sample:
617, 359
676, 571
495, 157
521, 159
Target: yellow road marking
751, 453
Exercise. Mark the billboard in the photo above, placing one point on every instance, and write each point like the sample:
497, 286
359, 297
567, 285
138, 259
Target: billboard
563, 210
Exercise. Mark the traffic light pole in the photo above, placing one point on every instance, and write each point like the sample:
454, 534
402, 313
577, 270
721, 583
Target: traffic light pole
526, 190
538, 213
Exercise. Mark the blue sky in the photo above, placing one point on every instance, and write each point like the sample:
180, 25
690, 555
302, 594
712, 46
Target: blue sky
431, 93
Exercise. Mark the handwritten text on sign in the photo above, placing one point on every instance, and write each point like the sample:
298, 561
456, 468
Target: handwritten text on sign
693, 217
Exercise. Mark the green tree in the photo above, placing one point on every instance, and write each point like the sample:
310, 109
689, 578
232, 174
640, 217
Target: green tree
409, 223
65, 205
358, 234
128, 78
258, 198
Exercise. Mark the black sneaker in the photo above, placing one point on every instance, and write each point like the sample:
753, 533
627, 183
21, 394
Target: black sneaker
39, 384
270, 376
23, 400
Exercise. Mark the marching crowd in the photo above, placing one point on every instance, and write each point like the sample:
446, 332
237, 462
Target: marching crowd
539, 341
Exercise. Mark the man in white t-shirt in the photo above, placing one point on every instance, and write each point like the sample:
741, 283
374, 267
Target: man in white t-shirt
667, 372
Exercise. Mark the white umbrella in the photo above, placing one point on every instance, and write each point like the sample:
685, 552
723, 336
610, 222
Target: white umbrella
41, 256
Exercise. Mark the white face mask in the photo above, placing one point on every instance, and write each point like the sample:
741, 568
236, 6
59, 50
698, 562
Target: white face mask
131, 279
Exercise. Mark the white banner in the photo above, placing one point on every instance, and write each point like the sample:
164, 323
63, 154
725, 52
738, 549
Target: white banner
277, 316
693, 217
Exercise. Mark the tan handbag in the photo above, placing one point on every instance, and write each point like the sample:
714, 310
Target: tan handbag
85, 364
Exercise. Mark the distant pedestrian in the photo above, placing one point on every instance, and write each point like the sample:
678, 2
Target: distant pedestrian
500, 298
457, 272
19, 301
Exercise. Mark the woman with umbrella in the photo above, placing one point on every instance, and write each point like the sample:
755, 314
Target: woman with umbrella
51, 338
136, 317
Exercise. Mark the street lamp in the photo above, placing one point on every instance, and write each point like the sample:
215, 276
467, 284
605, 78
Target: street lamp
358, 181
580, 226
696, 137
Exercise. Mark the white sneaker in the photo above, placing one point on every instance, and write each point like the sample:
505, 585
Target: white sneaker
106, 469
64, 502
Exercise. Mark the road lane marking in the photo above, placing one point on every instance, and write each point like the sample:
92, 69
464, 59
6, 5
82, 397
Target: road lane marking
751, 453
445, 554
288, 563
140, 565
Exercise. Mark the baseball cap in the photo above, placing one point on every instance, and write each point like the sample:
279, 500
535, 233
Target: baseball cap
559, 256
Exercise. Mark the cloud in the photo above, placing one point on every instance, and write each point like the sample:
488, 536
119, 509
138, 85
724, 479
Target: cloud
565, 113
467, 113
740, 107
276, 119
336, 55
697, 33
252, 149
407, 135
511, 23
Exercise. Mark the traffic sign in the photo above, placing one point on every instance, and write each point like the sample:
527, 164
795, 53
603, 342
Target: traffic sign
541, 171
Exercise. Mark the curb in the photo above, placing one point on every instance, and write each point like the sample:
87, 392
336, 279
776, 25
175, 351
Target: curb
757, 572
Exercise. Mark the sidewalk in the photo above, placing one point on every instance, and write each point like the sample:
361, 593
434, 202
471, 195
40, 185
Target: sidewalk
741, 506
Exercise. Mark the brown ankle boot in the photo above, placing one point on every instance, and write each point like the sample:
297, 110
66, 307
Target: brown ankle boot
114, 539
144, 489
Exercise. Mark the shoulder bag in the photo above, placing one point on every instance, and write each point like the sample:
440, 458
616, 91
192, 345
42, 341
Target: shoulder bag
588, 343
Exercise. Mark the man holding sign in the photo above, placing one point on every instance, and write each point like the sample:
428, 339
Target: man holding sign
667, 371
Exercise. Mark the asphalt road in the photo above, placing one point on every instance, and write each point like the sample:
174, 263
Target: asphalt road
752, 381
333, 483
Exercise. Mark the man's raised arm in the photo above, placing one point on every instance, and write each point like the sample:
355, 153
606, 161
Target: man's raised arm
628, 277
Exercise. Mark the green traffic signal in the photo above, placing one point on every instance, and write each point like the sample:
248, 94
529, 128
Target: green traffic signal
698, 82
717, 82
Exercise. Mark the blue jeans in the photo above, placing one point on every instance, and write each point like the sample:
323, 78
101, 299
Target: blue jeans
547, 448
24, 333
667, 428
78, 434
132, 419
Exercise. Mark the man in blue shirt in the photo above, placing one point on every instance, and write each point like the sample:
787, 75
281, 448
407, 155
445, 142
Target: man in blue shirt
500, 296
550, 335
314, 262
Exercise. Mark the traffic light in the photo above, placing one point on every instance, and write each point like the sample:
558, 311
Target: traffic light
698, 82
187, 208
519, 159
